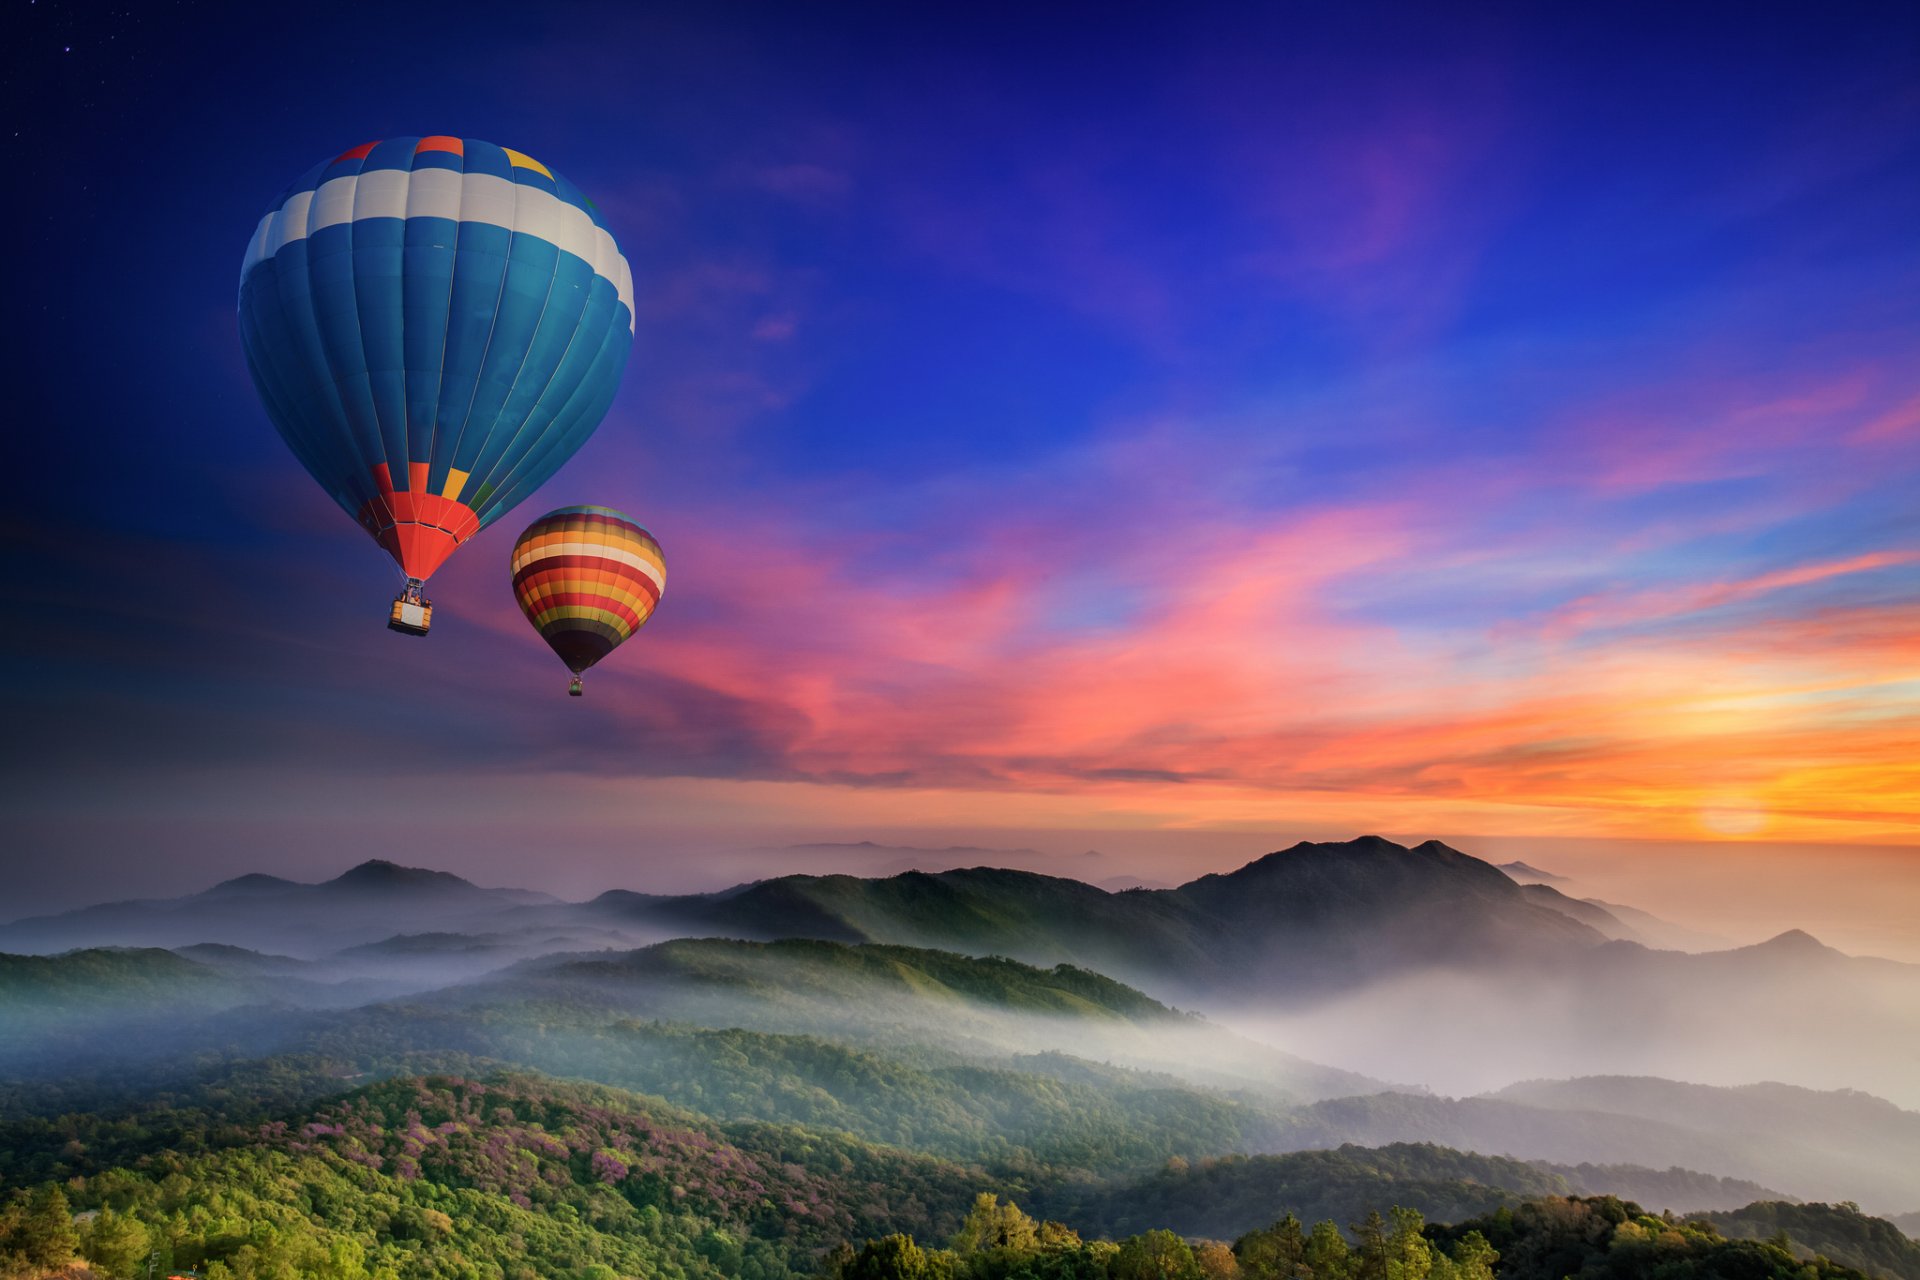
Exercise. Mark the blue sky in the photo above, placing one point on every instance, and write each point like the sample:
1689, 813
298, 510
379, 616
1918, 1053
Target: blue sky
1177, 419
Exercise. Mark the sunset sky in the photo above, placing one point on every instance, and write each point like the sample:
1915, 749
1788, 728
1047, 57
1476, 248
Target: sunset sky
1235, 424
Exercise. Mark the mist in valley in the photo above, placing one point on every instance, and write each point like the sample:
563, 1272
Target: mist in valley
1464, 1033
928, 1040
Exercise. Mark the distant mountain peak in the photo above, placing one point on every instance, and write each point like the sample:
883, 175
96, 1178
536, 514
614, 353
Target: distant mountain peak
254, 882
378, 873
1359, 846
1794, 942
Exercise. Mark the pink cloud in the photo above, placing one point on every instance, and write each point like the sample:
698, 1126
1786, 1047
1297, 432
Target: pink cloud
1603, 612
1897, 423
1712, 428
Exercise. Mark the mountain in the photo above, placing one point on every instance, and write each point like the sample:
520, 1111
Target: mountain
124, 1003
1304, 922
1356, 950
445, 1176
716, 869
1837, 1144
968, 1057
1226, 1197
241, 962
1352, 951
888, 996
1554, 1238
38, 993
1673, 1190
508, 1173
1300, 925
1596, 917
1840, 1232
371, 901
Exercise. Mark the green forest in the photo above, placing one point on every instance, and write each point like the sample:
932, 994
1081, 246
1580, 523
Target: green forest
514, 1176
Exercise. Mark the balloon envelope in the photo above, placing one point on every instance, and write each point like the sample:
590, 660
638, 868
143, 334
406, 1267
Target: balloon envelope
587, 578
436, 325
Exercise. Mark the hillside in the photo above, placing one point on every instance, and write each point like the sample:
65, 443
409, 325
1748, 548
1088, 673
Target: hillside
1553, 1238
1303, 923
1341, 952
438, 1176
39, 991
826, 975
889, 996
371, 901
107, 1001
1853, 1145
1601, 920
1230, 1196
452, 1175
1840, 1232
1724, 1134
983, 1059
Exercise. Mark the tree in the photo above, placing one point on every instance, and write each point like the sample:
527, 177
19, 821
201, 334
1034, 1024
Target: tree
1328, 1257
992, 1225
1278, 1252
1057, 1235
46, 1235
1216, 1261
1155, 1255
116, 1244
1409, 1256
895, 1257
1473, 1258
1372, 1253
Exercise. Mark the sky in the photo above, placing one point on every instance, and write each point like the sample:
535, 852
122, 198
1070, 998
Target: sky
1175, 429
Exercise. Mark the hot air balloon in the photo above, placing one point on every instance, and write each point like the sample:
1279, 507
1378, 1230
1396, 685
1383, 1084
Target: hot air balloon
435, 325
587, 578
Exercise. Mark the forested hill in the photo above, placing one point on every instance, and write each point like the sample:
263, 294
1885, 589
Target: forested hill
518, 1176
828, 975
887, 997
45, 991
1857, 1146
1223, 1198
1838, 1231
369, 902
450, 1177
1312, 918
968, 1058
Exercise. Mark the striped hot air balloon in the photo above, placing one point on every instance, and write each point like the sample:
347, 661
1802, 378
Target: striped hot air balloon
587, 578
435, 325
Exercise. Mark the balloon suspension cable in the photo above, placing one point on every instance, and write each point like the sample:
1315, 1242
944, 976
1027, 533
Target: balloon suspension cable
574, 690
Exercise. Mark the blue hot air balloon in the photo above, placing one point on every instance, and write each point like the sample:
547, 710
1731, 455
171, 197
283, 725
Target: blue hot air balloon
435, 325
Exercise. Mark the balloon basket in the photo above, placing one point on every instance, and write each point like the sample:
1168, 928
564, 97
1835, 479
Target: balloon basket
412, 613
573, 690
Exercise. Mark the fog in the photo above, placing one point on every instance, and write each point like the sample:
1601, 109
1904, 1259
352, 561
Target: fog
1463, 1034
386, 965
